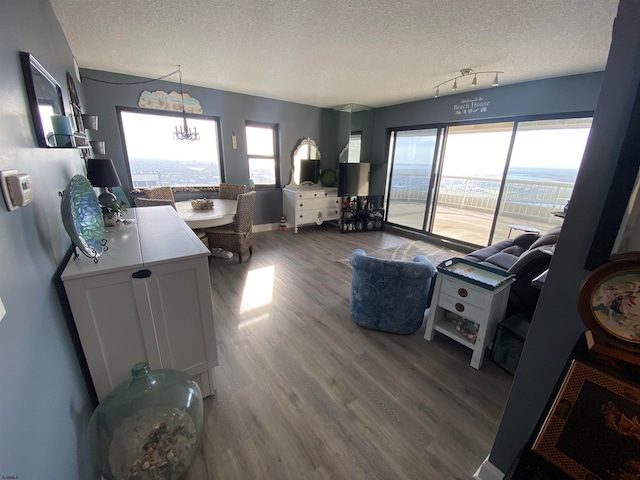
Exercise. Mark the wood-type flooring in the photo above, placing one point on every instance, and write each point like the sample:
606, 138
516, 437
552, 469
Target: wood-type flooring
305, 393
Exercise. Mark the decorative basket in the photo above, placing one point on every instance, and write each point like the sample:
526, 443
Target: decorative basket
202, 204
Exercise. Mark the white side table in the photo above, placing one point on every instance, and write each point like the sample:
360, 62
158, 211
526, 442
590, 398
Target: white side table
473, 292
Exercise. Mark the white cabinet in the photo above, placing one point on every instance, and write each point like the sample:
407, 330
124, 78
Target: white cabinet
148, 299
474, 293
310, 204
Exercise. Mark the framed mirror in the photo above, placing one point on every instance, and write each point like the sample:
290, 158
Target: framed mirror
305, 162
46, 105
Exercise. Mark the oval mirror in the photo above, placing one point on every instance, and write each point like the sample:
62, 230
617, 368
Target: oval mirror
306, 162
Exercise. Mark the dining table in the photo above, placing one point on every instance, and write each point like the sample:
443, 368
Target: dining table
222, 213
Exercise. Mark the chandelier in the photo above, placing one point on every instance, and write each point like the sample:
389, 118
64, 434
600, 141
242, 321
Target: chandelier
183, 132
467, 72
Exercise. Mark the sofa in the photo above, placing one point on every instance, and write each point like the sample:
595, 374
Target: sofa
390, 295
526, 256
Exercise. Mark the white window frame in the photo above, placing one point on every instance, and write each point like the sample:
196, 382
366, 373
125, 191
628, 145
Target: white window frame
253, 158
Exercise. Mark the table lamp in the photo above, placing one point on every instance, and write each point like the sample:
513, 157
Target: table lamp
102, 173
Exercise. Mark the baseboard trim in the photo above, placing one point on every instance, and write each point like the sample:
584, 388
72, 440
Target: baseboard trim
488, 471
266, 227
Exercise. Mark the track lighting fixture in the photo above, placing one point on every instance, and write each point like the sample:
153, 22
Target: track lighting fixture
465, 72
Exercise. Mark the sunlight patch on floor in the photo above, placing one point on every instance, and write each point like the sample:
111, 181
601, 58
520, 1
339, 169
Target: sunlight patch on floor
258, 289
251, 321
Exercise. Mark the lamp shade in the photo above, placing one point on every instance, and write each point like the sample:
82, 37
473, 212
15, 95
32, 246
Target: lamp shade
102, 173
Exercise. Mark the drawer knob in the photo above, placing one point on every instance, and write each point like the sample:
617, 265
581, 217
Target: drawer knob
459, 307
463, 292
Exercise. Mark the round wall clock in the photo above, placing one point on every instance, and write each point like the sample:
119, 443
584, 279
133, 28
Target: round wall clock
609, 302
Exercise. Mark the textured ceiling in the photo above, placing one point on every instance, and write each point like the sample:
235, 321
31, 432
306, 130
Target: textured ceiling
334, 52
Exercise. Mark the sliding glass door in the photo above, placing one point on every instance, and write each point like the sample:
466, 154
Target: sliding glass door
542, 171
410, 176
472, 169
481, 183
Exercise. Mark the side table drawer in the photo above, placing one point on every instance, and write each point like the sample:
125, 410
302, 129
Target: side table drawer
464, 293
462, 308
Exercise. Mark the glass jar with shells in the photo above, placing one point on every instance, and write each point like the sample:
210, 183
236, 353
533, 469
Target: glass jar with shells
148, 428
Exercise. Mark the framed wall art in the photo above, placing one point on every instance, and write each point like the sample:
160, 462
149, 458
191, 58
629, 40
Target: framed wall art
609, 303
592, 430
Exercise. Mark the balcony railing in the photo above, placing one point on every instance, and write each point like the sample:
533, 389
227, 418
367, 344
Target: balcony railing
522, 198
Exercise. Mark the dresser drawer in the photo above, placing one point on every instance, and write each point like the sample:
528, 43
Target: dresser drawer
316, 216
462, 308
464, 293
320, 203
316, 194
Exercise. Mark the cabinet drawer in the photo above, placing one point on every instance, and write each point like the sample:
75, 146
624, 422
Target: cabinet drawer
465, 293
321, 203
462, 308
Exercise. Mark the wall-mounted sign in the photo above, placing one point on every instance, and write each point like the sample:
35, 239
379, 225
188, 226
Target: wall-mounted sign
469, 106
169, 101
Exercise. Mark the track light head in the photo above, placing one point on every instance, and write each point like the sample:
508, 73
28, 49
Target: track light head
495, 82
455, 84
474, 82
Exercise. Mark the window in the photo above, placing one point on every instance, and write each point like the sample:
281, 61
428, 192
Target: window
155, 158
262, 150
474, 182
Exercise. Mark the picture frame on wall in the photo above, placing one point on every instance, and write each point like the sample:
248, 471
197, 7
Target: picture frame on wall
609, 303
592, 430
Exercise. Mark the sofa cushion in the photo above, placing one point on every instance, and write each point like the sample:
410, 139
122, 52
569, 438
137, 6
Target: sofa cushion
484, 253
549, 238
525, 240
502, 260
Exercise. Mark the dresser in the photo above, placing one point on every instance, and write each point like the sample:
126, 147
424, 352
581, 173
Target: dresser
309, 204
147, 299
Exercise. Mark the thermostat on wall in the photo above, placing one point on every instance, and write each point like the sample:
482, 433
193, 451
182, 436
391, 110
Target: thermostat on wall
16, 188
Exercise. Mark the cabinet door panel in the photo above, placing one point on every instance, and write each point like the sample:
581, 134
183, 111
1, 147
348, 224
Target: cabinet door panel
110, 318
183, 315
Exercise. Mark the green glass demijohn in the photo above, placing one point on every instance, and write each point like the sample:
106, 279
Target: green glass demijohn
148, 428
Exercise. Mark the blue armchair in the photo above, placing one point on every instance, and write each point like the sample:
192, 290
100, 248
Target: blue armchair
390, 295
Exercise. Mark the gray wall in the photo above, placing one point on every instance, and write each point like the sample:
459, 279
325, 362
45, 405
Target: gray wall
556, 326
296, 121
44, 404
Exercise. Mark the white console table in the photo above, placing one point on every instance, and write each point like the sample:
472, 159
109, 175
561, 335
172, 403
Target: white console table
148, 299
473, 292
310, 204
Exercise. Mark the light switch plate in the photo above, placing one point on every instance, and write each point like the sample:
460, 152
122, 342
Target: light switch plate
5, 188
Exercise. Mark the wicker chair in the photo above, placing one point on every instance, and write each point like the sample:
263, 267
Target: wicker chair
238, 236
160, 193
151, 202
231, 191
